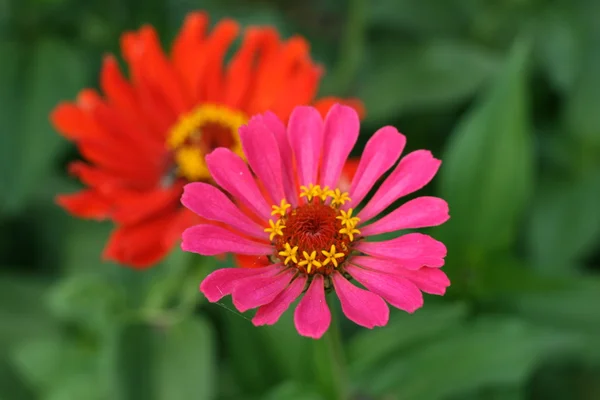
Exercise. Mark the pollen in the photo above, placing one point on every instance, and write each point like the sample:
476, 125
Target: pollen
315, 237
199, 132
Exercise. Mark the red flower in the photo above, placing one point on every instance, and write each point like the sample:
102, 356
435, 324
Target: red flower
145, 137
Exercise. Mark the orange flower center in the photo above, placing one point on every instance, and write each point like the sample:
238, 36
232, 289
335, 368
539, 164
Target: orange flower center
317, 236
199, 132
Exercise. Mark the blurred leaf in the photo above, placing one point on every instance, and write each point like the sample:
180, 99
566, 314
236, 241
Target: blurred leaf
404, 331
22, 318
186, 361
559, 44
246, 13
487, 173
329, 363
420, 17
88, 300
290, 352
292, 391
582, 117
494, 393
438, 73
9, 102
250, 361
565, 222
129, 362
165, 362
505, 275
488, 352
57, 71
574, 310
59, 369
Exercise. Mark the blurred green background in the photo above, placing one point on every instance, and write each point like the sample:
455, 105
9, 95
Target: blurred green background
506, 92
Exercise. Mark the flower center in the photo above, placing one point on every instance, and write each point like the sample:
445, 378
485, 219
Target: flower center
199, 132
315, 237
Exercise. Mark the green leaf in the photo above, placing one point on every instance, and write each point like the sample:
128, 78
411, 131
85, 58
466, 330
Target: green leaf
24, 318
292, 391
368, 348
559, 44
436, 74
582, 118
564, 224
56, 72
186, 362
88, 300
10, 53
488, 165
424, 17
128, 361
162, 362
251, 362
290, 352
55, 366
488, 352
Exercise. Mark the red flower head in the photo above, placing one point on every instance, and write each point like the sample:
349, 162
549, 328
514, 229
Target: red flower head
145, 137
304, 221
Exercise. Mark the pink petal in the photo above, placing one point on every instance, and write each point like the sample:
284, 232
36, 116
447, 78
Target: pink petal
257, 290
361, 306
410, 249
417, 213
210, 240
262, 152
312, 316
380, 153
429, 280
209, 202
414, 171
384, 264
221, 282
340, 133
270, 313
287, 160
232, 174
305, 134
396, 290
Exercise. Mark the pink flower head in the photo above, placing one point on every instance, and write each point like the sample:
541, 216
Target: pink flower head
293, 212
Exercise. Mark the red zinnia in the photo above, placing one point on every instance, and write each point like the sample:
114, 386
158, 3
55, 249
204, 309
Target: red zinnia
146, 137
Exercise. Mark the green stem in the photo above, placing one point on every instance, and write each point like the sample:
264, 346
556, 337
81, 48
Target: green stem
330, 365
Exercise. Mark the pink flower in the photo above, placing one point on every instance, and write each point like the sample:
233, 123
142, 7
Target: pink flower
296, 215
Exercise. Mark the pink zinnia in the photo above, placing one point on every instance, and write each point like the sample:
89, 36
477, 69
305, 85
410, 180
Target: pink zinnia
296, 215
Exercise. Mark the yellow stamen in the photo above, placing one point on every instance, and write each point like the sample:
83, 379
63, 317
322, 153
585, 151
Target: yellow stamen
332, 256
339, 197
186, 135
289, 253
309, 261
347, 219
349, 232
275, 229
281, 208
325, 193
310, 191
